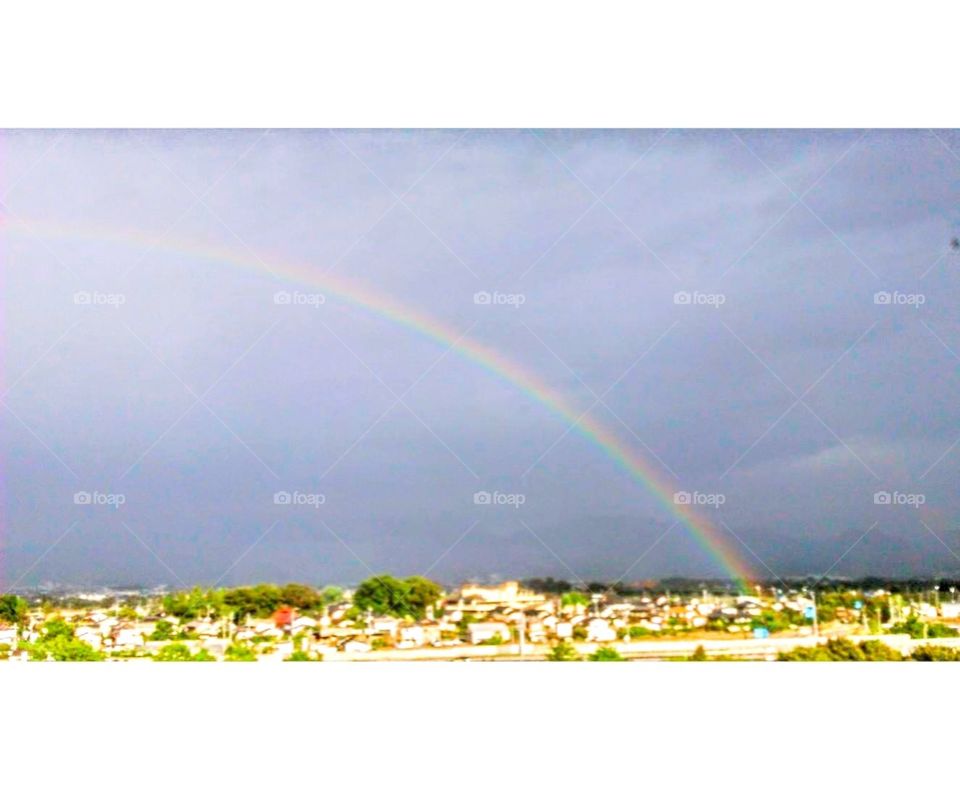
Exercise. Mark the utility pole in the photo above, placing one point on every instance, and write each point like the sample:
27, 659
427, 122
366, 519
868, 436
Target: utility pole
816, 627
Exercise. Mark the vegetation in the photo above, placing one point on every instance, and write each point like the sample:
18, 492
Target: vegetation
59, 643
240, 652
932, 652
255, 600
564, 651
385, 595
164, 631
842, 649
574, 598
919, 629
181, 652
605, 654
13, 609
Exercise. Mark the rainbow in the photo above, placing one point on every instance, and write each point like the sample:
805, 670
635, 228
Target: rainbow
721, 548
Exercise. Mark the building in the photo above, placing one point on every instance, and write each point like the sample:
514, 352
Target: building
481, 632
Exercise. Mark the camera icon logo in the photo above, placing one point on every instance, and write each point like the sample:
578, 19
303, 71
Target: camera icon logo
682, 297
282, 297
83, 298
482, 297
882, 297
882, 498
482, 498
82, 498
682, 498
282, 498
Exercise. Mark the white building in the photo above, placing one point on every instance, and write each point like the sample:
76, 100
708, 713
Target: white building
486, 631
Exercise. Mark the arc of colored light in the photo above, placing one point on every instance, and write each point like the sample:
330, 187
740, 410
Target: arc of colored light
708, 536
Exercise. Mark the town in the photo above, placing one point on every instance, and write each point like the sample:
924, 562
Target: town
389, 619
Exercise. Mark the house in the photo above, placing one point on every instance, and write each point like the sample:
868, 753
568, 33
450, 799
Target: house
383, 626
303, 624
481, 632
283, 617
89, 635
8, 635
420, 635
600, 630
126, 637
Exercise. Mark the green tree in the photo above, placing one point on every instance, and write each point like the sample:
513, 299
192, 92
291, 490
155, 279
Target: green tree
387, 595
563, 651
62, 648
606, 654
933, 652
13, 609
332, 594
301, 597
878, 651
174, 652
574, 598
163, 631
841, 649
57, 628
240, 652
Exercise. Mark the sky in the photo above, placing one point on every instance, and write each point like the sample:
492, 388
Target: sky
768, 319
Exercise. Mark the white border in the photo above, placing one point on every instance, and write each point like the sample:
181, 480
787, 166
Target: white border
425, 63
475, 734
481, 735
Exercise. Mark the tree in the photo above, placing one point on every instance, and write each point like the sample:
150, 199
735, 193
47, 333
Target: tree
387, 595
332, 594
163, 631
606, 654
878, 651
240, 652
301, 597
932, 652
174, 652
13, 609
564, 651
62, 648
57, 628
574, 598
842, 649
421, 594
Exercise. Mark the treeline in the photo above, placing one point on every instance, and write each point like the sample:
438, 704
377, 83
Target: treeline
383, 594
253, 600
842, 649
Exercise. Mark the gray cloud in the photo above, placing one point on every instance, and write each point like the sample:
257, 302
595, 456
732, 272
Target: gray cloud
104, 398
